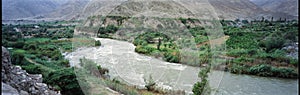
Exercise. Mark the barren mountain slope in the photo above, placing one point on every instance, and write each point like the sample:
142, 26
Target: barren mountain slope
204, 9
285, 6
70, 10
14, 9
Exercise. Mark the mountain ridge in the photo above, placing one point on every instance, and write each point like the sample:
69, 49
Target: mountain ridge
223, 9
290, 7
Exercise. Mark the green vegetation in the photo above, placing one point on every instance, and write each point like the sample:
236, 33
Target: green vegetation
93, 71
93, 68
249, 43
162, 46
106, 32
258, 48
157, 44
199, 34
202, 87
150, 84
97, 43
39, 50
65, 81
18, 56
253, 47
264, 70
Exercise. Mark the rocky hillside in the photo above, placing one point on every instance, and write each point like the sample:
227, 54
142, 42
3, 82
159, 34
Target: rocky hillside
204, 9
135, 16
100, 7
290, 7
245, 9
15, 9
16, 81
232, 9
80, 9
68, 11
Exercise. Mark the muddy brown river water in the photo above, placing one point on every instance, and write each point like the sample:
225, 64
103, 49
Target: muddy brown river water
130, 67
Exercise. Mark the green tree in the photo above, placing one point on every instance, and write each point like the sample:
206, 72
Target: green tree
65, 81
159, 43
111, 29
19, 44
245, 21
202, 87
183, 20
97, 43
18, 56
274, 43
279, 20
272, 19
262, 19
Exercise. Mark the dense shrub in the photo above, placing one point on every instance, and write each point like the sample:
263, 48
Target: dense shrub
144, 49
49, 64
149, 36
17, 44
197, 31
293, 61
278, 55
237, 69
64, 63
103, 32
111, 29
284, 72
237, 52
97, 43
18, 56
183, 20
273, 43
261, 70
202, 87
137, 42
157, 54
65, 80
261, 55
30, 46
242, 40
241, 60
32, 69
172, 57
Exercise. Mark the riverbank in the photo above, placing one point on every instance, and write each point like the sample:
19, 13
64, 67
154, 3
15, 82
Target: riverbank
130, 67
236, 65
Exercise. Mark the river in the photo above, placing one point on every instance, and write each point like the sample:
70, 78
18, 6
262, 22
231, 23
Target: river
130, 67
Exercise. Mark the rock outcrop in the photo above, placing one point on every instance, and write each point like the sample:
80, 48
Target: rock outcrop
292, 50
16, 81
